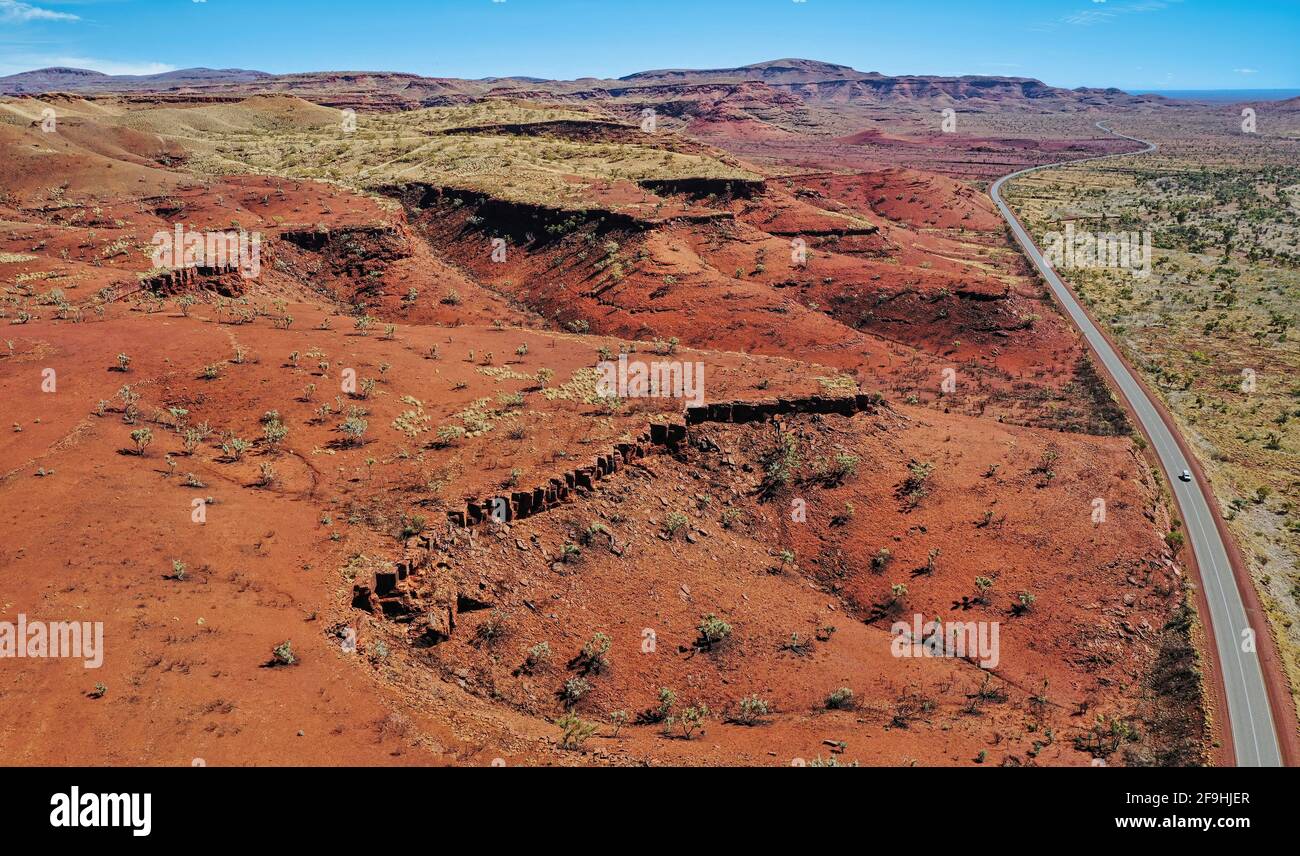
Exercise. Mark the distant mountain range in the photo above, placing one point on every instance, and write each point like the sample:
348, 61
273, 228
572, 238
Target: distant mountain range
83, 80
808, 81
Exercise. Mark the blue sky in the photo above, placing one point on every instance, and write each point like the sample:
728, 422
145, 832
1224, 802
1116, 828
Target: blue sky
1134, 44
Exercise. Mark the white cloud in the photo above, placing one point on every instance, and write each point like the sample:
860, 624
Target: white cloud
1246, 70
15, 11
1088, 17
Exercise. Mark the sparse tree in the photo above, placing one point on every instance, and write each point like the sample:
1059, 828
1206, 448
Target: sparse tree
142, 437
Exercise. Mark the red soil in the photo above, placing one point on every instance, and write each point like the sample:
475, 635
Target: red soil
896, 290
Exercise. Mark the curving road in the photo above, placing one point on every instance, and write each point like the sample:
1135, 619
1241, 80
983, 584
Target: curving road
1249, 712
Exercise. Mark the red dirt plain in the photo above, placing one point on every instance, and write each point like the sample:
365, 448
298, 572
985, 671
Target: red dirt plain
909, 274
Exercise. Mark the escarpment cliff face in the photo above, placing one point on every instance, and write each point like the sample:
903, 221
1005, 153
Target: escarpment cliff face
452, 212
851, 271
705, 188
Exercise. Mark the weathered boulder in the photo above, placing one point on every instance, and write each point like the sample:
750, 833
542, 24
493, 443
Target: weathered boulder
364, 599
385, 583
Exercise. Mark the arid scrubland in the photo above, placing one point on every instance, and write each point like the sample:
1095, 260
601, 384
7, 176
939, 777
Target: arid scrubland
1212, 327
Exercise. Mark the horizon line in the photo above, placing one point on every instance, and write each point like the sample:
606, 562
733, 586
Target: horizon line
1142, 89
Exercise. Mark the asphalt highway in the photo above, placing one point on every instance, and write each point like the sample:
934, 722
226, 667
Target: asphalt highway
1249, 713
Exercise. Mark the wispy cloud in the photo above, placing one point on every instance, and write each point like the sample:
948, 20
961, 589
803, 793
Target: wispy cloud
13, 11
1105, 13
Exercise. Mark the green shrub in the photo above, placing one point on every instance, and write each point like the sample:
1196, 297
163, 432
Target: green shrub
283, 654
539, 656
712, 630
274, 433
234, 448
692, 719
354, 427
752, 709
448, 435
574, 690
594, 656
667, 698
840, 468
840, 699
142, 437
574, 732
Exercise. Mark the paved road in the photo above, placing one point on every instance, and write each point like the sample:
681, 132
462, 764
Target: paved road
1248, 705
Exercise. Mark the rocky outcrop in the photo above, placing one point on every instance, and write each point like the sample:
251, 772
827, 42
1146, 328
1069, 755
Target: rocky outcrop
522, 222
225, 280
432, 606
760, 411
699, 188
516, 505
353, 249
592, 131
504, 508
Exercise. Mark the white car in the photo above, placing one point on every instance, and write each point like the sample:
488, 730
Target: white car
1185, 475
